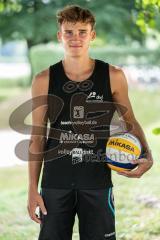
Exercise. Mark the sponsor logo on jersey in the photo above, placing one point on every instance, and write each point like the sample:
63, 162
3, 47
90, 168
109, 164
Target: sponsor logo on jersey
75, 137
78, 112
93, 96
78, 153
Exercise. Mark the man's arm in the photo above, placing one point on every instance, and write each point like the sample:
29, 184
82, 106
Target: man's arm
119, 89
37, 142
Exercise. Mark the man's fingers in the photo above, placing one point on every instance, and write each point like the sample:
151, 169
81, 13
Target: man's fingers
131, 174
42, 207
135, 161
35, 218
140, 160
33, 215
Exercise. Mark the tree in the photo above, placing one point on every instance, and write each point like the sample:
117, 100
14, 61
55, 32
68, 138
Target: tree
148, 14
29, 20
148, 17
35, 20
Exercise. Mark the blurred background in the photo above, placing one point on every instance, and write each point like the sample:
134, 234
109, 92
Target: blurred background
128, 35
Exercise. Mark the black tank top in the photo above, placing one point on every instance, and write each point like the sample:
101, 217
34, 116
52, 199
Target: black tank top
79, 114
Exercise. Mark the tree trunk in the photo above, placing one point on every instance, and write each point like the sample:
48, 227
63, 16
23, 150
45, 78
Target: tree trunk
29, 45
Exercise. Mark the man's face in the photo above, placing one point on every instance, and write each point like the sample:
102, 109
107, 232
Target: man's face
75, 37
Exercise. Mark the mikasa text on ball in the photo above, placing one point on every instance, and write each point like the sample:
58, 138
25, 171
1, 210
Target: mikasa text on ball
121, 150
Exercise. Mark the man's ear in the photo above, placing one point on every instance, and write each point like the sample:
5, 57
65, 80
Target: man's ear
59, 36
93, 35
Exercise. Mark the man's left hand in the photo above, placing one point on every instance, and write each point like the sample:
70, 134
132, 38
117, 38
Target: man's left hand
144, 164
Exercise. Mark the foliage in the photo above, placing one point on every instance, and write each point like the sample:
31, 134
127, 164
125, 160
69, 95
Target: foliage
35, 20
148, 12
156, 131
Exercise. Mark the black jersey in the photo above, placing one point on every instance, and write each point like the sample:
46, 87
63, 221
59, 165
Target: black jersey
80, 114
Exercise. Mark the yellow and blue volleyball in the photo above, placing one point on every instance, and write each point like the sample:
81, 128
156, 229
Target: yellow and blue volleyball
121, 150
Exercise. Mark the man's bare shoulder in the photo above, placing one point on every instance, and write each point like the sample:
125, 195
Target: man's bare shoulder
116, 71
117, 78
40, 82
42, 77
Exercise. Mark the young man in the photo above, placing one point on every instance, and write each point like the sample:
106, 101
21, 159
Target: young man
71, 185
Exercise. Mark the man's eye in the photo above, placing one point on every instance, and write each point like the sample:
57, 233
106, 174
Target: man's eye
68, 32
82, 32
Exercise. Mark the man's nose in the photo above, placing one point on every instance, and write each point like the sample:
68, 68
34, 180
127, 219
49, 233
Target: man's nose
75, 35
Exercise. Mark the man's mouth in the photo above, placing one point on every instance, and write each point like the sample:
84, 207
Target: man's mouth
75, 46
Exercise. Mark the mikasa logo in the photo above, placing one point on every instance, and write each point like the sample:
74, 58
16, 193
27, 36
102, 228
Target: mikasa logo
72, 136
94, 96
122, 145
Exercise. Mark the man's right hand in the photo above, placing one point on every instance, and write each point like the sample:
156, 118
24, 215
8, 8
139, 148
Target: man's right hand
35, 200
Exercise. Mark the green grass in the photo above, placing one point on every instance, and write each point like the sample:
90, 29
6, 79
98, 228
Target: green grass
22, 81
9, 92
146, 105
14, 221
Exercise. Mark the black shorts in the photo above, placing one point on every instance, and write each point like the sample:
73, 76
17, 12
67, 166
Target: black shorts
94, 208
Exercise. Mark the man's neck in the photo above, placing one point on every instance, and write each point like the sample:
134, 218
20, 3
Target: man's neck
76, 67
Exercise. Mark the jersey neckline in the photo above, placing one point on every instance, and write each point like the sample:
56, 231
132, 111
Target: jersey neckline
89, 78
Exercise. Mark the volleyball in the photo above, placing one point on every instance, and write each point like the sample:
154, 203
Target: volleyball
121, 150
